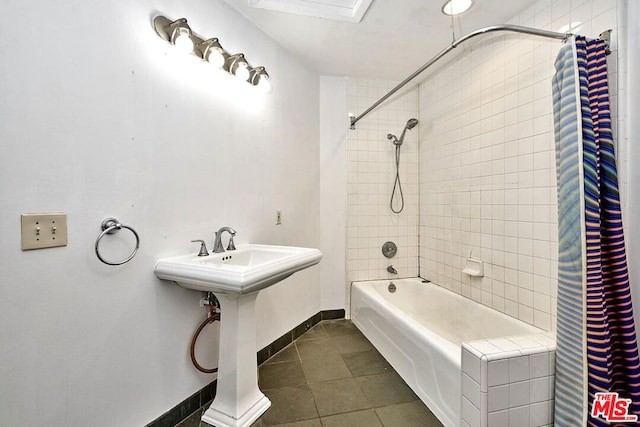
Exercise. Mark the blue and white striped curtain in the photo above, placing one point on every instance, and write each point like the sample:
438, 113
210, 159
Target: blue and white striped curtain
596, 341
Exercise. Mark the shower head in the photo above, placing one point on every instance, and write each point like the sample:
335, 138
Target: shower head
411, 123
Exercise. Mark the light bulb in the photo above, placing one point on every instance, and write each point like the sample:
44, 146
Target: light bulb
183, 41
241, 71
215, 58
264, 85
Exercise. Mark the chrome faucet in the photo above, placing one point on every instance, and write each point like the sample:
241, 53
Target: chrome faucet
392, 270
217, 244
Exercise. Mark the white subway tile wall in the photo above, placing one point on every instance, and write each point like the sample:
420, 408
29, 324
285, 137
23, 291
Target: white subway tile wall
487, 163
370, 179
513, 387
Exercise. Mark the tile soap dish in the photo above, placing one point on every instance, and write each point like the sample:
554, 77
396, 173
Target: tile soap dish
473, 267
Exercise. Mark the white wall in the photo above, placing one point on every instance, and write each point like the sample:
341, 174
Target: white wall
488, 179
100, 117
333, 176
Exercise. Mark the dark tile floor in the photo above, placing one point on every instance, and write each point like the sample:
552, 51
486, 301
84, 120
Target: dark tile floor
332, 376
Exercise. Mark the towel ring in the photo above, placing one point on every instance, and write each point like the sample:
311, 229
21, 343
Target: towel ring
111, 226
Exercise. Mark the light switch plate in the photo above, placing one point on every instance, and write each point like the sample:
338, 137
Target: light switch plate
46, 230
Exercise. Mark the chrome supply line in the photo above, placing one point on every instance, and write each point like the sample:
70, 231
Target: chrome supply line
453, 45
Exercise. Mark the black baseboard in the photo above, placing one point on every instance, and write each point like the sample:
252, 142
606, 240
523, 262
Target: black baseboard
198, 399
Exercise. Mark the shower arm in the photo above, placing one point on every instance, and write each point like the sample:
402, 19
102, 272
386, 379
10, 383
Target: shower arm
453, 45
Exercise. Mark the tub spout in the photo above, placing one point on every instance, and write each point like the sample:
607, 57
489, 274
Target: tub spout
392, 270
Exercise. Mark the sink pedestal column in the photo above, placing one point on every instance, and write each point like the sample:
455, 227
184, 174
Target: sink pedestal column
239, 401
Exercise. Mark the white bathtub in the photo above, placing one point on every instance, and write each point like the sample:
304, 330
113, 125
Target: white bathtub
419, 329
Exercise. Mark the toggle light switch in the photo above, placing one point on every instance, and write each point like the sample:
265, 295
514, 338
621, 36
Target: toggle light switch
43, 230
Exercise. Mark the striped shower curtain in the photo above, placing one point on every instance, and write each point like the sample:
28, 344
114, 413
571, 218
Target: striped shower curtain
596, 341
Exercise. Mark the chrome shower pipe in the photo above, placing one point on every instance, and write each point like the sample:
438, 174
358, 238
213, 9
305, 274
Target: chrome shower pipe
453, 45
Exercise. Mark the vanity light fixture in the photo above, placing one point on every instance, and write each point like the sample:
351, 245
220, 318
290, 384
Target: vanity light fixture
259, 77
179, 33
456, 7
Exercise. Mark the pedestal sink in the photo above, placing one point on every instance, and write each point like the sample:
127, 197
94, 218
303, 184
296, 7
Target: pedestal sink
236, 277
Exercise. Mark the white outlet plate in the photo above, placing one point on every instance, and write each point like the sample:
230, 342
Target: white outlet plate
278, 217
43, 230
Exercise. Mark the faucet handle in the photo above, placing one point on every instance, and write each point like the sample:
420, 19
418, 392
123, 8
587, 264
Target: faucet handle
203, 248
231, 246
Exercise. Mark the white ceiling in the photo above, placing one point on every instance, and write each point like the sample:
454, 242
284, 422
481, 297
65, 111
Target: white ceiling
392, 40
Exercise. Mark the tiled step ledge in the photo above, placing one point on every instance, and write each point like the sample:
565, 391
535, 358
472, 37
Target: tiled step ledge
508, 381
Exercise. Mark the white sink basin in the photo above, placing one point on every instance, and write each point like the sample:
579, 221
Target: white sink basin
248, 269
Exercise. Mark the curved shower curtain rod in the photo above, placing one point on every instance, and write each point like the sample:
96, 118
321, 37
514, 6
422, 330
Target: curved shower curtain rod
453, 45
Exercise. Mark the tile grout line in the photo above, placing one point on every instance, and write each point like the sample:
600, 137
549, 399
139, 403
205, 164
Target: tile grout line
295, 343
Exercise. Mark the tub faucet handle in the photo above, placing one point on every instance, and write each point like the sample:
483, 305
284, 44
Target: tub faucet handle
203, 248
